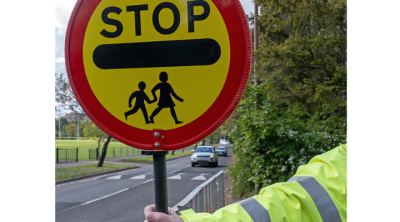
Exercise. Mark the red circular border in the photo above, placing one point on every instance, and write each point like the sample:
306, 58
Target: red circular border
239, 69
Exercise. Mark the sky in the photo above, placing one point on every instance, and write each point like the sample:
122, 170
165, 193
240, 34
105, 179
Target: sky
62, 14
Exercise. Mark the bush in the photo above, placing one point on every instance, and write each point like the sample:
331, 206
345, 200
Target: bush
300, 109
272, 141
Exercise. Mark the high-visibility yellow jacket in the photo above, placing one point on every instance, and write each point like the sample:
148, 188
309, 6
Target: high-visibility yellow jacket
316, 193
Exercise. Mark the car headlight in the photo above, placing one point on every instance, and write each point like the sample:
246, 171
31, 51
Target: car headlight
211, 156
194, 155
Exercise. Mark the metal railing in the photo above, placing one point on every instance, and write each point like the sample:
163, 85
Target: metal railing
66, 155
207, 197
94, 154
119, 152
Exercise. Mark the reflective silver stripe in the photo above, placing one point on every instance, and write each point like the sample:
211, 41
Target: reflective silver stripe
256, 211
322, 200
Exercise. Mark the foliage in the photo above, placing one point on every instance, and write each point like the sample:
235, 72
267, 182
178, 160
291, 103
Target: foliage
228, 125
216, 135
240, 171
66, 99
91, 131
272, 141
71, 129
302, 55
300, 108
61, 126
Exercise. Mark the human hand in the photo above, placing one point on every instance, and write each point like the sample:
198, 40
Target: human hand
181, 100
152, 216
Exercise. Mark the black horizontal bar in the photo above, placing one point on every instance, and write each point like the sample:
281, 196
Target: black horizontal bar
192, 52
154, 153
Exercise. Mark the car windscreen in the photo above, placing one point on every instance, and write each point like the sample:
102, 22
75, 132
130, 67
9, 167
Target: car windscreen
204, 149
220, 148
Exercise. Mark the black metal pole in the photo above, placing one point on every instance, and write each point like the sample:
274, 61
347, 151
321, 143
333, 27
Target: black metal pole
57, 154
160, 183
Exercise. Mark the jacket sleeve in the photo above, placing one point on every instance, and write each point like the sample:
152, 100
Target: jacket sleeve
316, 193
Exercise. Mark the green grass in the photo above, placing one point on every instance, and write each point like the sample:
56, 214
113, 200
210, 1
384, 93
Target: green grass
149, 159
72, 172
85, 145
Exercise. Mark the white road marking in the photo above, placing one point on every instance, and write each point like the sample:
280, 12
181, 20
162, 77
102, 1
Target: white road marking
201, 177
140, 177
177, 177
175, 171
125, 171
101, 176
105, 196
117, 177
180, 169
147, 181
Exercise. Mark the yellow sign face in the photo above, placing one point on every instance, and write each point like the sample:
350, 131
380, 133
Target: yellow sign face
177, 51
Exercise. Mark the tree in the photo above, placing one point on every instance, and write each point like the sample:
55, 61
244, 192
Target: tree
299, 109
92, 132
104, 152
66, 100
216, 135
72, 129
303, 54
61, 126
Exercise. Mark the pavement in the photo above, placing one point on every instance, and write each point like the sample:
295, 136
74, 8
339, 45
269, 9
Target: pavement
122, 196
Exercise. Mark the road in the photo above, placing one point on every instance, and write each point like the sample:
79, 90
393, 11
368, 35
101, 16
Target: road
123, 196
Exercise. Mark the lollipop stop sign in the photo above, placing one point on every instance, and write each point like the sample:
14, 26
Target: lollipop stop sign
158, 75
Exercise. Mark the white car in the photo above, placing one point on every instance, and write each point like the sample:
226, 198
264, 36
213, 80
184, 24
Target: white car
204, 155
223, 142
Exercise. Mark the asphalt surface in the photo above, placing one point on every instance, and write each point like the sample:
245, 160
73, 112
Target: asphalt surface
123, 196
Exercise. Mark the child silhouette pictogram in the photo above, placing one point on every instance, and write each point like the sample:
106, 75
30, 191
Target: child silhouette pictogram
165, 98
139, 103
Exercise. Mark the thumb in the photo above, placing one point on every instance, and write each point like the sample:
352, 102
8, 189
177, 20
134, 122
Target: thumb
158, 217
161, 217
